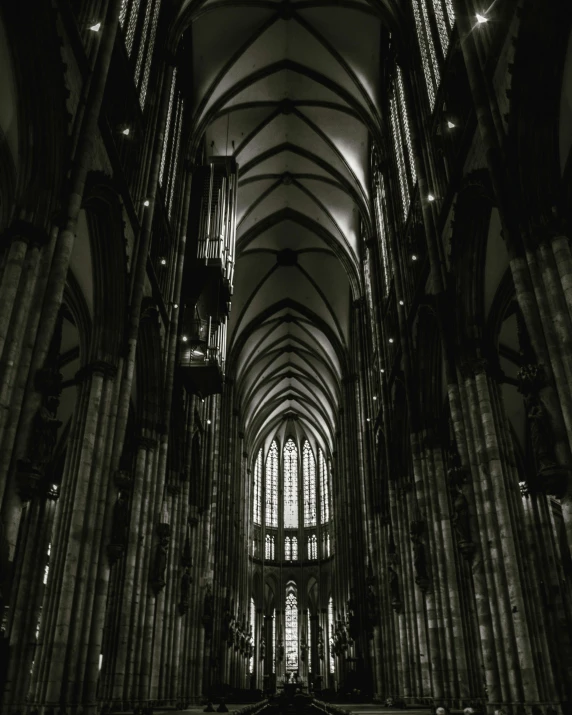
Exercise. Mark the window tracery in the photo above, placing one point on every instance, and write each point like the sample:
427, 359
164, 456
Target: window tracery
324, 488
312, 547
331, 633
257, 496
401, 137
290, 485
272, 486
269, 552
309, 479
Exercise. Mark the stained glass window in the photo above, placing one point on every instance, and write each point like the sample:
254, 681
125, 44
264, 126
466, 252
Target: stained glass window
401, 136
404, 116
269, 553
273, 644
291, 628
272, 486
325, 544
331, 632
442, 26
381, 222
312, 547
290, 485
425, 55
309, 477
450, 13
140, 34
253, 632
399, 156
294, 548
309, 642
167, 135
257, 496
324, 489
175, 151
287, 549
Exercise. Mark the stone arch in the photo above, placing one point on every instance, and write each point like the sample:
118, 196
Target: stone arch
109, 266
39, 100
534, 126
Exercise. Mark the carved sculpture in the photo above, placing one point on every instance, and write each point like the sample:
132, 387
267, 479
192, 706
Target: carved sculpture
186, 582
419, 554
394, 589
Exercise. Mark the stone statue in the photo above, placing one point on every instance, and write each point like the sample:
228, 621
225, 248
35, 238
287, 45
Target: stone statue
208, 602
186, 581
44, 435
160, 564
461, 520
540, 432
120, 521
371, 601
394, 589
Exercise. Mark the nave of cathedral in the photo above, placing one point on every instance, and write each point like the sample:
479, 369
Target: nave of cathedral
285, 355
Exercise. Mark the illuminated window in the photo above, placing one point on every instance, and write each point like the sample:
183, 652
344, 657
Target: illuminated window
432, 36
269, 552
287, 549
291, 628
128, 16
294, 548
381, 223
309, 478
168, 122
140, 31
324, 489
331, 633
273, 645
290, 485
428, 59
272, 486
171, 144
309, 643
47, 566
325, 544
252, 631
312, 547
257, 497
401, 137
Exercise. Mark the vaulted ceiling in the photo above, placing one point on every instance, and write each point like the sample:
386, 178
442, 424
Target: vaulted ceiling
291, 90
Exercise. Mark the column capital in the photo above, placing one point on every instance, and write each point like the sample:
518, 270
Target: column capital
100, 367
25, 231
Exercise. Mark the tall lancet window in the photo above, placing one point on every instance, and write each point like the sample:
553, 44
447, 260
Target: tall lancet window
171, 144
291, 628
309, 478
287, 549
381, 221
294, 548
253, 632
290, 485
257, 496
312, 547
270, 545
434, 39
272, 486
324, 488
331, 633
427, 48
401, 136
139, 23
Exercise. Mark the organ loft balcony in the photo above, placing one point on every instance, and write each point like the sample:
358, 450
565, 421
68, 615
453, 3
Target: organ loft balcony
202, 353
210, 257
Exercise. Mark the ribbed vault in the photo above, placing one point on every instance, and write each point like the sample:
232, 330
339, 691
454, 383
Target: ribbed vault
290, 89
